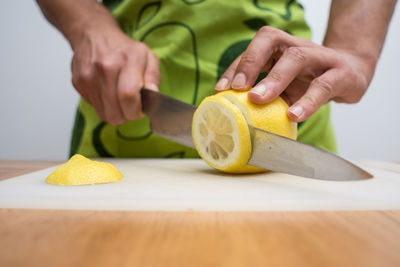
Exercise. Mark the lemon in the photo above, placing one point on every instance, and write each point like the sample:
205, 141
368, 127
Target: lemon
81, 171
220, 128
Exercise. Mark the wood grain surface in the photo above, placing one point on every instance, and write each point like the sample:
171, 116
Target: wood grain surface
116, 238
12, 168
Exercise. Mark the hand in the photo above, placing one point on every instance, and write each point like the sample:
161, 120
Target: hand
109, 69
305, 74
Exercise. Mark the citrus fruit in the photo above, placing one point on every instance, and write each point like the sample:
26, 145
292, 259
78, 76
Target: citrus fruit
79, 170
220, 128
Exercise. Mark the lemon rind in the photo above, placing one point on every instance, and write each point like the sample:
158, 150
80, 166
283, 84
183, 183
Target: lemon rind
243, 151
249, 114
89, 172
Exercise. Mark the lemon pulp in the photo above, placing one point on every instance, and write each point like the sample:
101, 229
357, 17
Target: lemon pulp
79, 170
220, 128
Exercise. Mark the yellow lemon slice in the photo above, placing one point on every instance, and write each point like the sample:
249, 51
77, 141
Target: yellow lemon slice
220, 128
79, 170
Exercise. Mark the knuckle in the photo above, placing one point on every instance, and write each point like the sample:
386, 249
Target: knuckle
127, 95
267, 30
323, 85
151, 79
354, 97
110, 62
311, 101
275, 76
273, 34
140, 46
153, 74
355, 88
153, 68
297, 54
84, 76
248, 59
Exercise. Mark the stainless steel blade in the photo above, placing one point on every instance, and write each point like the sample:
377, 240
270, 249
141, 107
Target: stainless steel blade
172, 119
281, 154
169, 117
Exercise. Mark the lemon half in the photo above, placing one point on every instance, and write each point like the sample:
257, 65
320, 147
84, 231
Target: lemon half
79, 170
220, 128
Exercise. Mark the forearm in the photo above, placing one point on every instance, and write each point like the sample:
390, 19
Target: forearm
359, 26
74, 18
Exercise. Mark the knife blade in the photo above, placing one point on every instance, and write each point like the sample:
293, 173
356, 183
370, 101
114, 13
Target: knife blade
278, 153
172, 119
169, 117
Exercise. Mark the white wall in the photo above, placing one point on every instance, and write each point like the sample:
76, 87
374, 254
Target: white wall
369, 129
37, 100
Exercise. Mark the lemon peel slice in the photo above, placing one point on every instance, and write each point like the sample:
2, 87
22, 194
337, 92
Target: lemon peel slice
221, 134
218, 127
79, 170
271, 117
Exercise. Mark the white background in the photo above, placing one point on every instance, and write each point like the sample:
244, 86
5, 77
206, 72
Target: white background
38, 102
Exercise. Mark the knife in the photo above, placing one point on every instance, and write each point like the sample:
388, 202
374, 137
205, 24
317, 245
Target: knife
172, 119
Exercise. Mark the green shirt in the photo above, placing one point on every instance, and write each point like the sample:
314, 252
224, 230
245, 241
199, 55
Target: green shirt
195, 40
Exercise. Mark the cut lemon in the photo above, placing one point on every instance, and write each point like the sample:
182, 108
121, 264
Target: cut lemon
81, 171
220, 128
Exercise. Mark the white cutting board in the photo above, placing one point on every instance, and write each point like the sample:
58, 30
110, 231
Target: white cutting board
180, 185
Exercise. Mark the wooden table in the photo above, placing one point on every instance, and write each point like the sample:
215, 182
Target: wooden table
140, 239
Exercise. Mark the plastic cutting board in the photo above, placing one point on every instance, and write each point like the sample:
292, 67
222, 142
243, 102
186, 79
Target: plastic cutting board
181, 185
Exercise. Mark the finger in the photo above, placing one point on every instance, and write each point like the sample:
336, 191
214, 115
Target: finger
224, 81
152, 75
130, 82
77, 80
294, 62
267, 41
320, 91
82, 79
295, 91
108, 69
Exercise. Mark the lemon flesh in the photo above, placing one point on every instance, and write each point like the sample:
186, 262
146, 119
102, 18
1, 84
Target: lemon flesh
79, 170
218, 129
221, 134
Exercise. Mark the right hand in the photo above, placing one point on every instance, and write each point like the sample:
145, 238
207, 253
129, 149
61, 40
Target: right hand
109, 69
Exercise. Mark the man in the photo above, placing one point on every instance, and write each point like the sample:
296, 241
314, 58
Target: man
195, 44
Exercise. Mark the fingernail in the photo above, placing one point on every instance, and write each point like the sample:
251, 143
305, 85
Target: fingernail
297, 111
239, 82
222, 84
259, 90
152, 86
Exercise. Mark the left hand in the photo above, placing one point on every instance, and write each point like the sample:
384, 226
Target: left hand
305, 74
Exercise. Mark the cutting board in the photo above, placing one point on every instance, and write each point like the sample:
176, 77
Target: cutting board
181, 185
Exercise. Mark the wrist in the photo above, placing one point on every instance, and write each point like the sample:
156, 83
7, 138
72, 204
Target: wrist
98, 21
